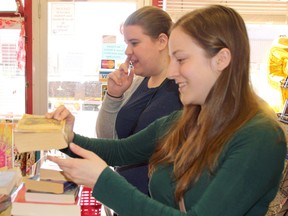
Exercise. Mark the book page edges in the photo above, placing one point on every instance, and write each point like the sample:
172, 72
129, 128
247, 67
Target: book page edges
26, 142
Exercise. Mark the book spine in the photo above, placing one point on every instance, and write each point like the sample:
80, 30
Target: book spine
69, 185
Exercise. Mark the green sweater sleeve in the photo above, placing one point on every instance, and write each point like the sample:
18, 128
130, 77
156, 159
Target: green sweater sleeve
125, 199
131, 150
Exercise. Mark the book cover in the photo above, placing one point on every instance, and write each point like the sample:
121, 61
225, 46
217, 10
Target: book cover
30, 161
35, 183
69, 195
37, 123
21, 207
6, 145
20, 160
9, 179
34, 133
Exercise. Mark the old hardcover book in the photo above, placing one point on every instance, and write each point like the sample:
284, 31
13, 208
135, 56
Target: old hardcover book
20, 206
35, 183
34, 133
69, 195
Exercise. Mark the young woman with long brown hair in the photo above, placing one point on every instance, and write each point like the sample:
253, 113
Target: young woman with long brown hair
223, 155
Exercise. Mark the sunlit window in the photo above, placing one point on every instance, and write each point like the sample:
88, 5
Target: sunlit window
84, 44
8, 6
12, 69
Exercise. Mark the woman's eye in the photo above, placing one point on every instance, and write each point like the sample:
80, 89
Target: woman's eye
180, 60
134, 43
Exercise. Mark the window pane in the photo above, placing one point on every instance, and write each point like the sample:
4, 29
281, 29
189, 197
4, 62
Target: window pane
8, 5
12, 80
84, 40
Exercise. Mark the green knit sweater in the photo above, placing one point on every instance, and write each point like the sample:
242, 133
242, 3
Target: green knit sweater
245, 182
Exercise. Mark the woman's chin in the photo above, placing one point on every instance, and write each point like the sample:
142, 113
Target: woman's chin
187, 101
184, 100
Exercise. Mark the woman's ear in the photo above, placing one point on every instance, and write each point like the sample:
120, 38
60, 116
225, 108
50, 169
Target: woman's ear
163, 41
222, 59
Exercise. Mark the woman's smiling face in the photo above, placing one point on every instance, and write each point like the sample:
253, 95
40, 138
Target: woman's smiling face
142, 50
191, 68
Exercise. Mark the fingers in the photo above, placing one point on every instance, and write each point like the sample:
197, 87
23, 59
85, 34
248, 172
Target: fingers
66, 165
115, 77
85, 170
60, 113
120, 80
81, 151
49, 115
90, 156
126, 67
60, 161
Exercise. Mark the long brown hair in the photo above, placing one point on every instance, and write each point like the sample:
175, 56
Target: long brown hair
195, 142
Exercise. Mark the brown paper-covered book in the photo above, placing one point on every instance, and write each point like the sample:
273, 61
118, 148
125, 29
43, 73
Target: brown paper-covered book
68, 196
35, 183
51, 171
34, 133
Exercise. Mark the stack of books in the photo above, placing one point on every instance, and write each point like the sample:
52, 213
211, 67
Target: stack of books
22, 207
47, 192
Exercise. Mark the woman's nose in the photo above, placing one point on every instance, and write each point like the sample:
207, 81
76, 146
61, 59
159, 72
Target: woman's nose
128, 50
172, 70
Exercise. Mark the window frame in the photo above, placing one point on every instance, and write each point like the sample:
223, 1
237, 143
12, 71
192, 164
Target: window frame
252, 11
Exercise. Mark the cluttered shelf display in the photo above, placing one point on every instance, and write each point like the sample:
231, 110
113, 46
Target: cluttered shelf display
52, 193
84, 205
13, 165
34, 196
48, 181
17, 196
9, 156
10, 179
21, 207
279, 206
283, 118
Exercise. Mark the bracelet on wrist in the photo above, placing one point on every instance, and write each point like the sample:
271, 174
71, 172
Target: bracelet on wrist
113, 96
